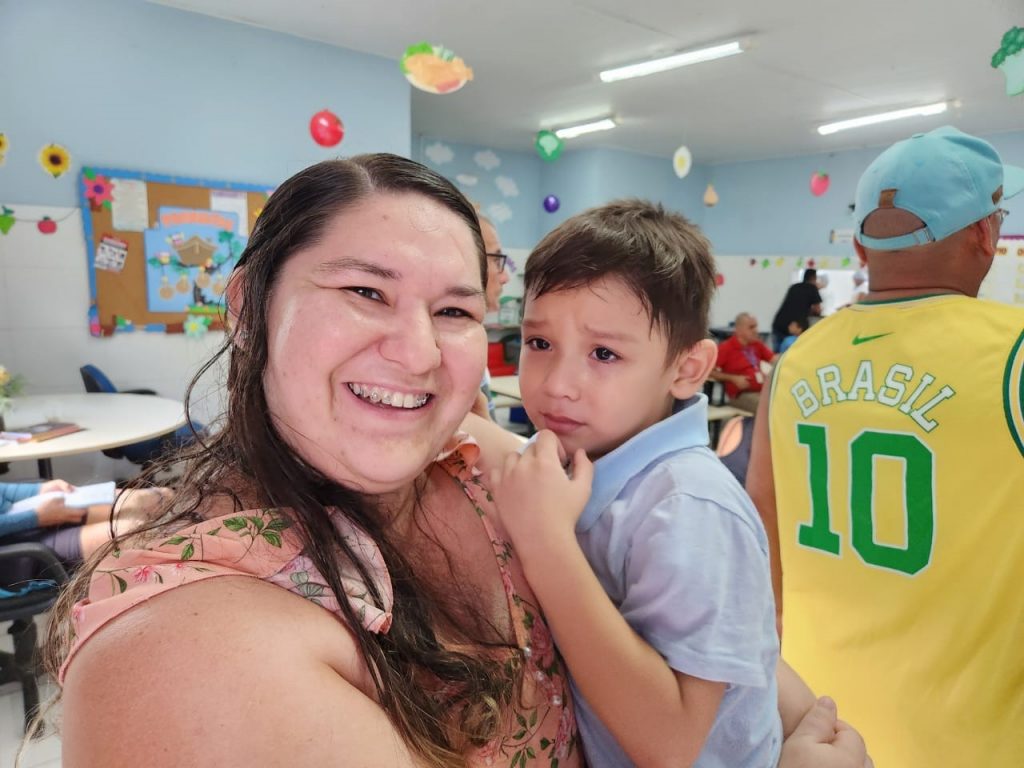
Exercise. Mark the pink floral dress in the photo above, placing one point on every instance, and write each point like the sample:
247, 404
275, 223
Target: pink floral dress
262, 543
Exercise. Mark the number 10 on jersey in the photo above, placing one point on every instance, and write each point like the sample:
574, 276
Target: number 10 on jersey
918, 495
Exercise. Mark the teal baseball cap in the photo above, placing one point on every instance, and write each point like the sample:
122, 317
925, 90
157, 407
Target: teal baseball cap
947, 178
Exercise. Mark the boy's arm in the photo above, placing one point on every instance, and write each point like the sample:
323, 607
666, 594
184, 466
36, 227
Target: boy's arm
795, 697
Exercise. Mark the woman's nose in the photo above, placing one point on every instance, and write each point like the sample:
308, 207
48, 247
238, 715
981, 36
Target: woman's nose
413, 343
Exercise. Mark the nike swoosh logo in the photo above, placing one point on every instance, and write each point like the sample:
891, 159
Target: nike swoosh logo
863, 339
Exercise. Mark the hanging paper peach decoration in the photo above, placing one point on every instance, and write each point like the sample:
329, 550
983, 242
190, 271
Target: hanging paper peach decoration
819, 183
710, 197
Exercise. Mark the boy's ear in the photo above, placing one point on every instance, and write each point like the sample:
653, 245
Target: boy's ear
692, 367
233, 294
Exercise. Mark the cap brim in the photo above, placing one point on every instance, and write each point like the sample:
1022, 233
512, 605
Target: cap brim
1013, 181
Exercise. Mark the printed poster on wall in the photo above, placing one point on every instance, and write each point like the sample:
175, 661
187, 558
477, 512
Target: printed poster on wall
189, 256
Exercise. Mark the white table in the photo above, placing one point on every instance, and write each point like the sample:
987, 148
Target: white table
506, 385
107, 421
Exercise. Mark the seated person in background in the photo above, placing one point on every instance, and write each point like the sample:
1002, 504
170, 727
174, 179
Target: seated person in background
734, 445
739, 363
801, 301
497, 276
796, 327
72, 533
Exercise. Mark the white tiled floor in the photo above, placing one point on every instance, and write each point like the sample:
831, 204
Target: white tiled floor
42, 753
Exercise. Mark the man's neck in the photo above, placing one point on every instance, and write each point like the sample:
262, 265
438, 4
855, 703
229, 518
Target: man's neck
891, 294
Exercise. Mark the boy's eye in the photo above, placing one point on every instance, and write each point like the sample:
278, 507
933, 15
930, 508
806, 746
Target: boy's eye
538, 344
605, 355
366, 293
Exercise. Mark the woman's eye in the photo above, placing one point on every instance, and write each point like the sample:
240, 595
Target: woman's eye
454, 312
605, 355
538, 344
366, 293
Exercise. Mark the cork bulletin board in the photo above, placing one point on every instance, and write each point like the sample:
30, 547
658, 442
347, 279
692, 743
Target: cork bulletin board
161, 248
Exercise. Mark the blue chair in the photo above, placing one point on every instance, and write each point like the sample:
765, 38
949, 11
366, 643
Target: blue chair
145, 451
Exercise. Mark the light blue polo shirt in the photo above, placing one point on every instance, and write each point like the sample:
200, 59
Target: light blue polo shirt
681, 551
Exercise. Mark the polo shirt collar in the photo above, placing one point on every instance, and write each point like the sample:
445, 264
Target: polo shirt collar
686, 428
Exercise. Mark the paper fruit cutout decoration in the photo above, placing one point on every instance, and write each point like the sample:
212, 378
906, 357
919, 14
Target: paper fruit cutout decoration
819, 183
1010, 59
719, 279
4, 144
46, 225
55, 159
710, 197
551, 203
6, 219
682, 162
434, 69
548, 145
326, 128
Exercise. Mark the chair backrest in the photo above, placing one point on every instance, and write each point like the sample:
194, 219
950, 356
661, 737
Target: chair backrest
95, 380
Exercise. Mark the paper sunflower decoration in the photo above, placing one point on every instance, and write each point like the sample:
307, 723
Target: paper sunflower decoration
55, 160
3, 147
682, 162
98, 189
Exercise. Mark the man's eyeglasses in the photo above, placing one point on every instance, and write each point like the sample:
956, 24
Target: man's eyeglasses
500, 259
1002, 213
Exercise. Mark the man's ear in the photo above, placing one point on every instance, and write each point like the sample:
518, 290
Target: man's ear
862, 255
692, 367
234, 300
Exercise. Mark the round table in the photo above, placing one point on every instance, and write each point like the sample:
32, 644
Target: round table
107, 421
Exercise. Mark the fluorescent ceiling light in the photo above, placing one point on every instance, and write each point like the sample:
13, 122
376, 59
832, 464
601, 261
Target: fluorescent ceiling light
578, 130
929, 109
672, 62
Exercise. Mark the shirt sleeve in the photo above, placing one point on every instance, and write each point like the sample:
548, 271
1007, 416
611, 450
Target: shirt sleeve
815, 295
763, 352
10, 493
722, 351
698, 590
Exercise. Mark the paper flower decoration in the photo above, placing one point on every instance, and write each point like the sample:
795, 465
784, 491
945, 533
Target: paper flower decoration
196, 326
55, 159
1010, 59
434, 69
99, 190
682, 162
4, 144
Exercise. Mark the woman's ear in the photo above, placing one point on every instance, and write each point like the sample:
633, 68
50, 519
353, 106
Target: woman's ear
692, 367
233, 307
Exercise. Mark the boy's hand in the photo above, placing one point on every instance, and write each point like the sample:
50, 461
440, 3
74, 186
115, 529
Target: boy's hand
539, 503
53, 512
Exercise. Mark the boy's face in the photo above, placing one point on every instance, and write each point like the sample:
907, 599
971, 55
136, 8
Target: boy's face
592, 370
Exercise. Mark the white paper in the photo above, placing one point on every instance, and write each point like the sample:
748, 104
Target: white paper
110, 254
227, 201
130, 208
83, 496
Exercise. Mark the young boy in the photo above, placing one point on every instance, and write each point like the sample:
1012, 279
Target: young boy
657, 589
796, 327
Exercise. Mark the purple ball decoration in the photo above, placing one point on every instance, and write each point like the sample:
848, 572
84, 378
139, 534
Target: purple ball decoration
551, 203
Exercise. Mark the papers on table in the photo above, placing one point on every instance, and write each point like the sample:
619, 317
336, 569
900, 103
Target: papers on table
83, 496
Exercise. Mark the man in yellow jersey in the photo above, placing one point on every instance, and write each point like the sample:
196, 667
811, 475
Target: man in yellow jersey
893, 480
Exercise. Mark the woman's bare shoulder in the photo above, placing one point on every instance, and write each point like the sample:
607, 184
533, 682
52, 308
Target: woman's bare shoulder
229, 671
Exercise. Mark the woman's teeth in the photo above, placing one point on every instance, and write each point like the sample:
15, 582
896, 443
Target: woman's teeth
381, 396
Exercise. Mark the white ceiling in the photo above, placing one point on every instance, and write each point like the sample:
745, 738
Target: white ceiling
813, 61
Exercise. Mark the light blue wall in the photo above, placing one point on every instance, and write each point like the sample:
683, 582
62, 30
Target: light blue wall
471, 167
766, 207
133, 85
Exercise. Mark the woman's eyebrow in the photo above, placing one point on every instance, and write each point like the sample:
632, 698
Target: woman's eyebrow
359, 265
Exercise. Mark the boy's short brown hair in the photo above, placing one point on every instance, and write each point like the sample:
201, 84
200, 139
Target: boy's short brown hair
664, 259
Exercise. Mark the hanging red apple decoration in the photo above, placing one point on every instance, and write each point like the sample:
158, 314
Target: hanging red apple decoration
819, 184
326, 128
719, 279
46, 225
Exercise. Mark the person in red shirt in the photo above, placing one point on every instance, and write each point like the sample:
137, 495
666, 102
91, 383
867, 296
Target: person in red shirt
739, 363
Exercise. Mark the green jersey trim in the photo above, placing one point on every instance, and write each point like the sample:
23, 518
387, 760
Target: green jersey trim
1013, 393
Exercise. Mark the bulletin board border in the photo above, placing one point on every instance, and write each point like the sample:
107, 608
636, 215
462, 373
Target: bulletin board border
144, 176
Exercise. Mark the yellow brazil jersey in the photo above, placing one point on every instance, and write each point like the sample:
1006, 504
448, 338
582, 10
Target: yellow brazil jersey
897, 439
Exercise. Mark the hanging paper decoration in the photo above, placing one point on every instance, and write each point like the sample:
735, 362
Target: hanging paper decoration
824, 263
846, 261
551, 203
98, 189
753, 262
710, 197
3, 147
780, 261
719, 279
434, 69
810, 263
766, 263
819, 183
6, 220
548, 145
326, 128
46, 225
55, 159
800, 261
196, 326
682, 161
1010, 59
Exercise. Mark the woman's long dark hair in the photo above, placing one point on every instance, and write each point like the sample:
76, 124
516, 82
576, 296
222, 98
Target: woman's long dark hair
249, 460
